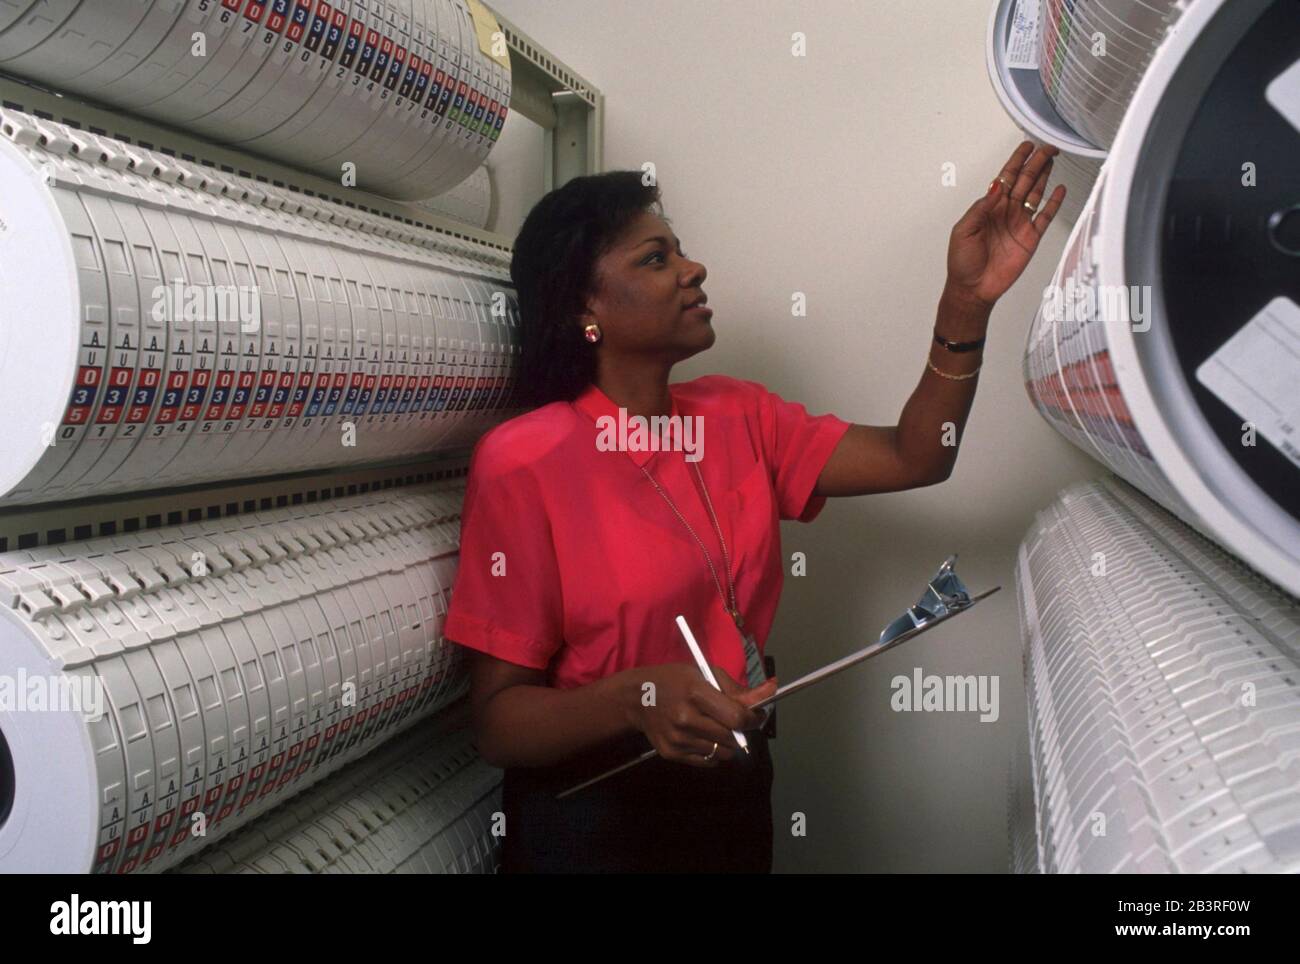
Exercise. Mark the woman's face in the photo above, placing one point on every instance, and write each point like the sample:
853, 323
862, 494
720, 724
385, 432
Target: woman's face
643, 285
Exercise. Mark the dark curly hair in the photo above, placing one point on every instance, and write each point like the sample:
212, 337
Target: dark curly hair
553, 268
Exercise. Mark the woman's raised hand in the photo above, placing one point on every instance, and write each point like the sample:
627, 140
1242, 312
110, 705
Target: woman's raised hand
996, 238
687, 715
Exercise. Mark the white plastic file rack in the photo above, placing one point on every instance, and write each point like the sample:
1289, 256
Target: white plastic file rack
241, 659
469, 202
1163, 685
1062, 93
1062, 86
422, 803
243, 533
1163, 689
363, 322
402, 90
1108, 380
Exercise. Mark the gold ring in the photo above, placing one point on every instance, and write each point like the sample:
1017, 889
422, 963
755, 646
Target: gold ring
1029, 207
1002, 179
712, 752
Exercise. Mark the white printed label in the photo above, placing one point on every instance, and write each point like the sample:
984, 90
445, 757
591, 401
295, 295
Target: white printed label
1284, 94
1022, 45
1256, 371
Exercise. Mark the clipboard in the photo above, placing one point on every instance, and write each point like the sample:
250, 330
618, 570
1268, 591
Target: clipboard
950, 599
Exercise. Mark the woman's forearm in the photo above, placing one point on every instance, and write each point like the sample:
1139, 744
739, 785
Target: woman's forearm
924, 439
524, 725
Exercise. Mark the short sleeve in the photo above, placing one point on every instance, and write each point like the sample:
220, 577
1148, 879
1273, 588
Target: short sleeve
506, 599
798, 447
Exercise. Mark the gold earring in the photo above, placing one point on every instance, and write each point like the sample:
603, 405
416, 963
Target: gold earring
592, 333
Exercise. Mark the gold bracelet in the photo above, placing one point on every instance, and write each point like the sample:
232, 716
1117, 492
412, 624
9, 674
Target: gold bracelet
955, 378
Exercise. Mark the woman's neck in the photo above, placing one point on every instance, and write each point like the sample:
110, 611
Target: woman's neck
642, 391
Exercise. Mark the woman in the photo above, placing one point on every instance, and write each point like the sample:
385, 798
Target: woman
581, 541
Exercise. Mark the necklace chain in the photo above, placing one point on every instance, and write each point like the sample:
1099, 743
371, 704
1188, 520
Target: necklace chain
733, 609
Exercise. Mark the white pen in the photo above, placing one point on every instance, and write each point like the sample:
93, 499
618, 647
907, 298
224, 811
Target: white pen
703, 664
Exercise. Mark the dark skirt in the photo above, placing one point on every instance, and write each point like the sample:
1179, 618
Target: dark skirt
657, 817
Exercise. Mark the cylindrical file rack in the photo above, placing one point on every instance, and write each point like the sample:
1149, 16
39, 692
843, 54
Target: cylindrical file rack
197, 326
189, 678
403, 99
1155, 349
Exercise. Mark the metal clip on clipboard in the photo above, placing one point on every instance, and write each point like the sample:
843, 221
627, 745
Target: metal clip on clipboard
945, 596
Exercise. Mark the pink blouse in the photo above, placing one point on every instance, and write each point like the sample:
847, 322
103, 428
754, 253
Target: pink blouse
572, 562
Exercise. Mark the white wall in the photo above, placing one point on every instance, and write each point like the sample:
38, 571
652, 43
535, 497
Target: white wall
822, 174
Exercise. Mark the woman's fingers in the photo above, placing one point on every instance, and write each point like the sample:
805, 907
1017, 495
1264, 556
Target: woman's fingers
725, 706
706, 732
697, 752
729, 686
687, 746
759, 693
1011, 170
1035, 197
727, 711
1029, 174
1043, 220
